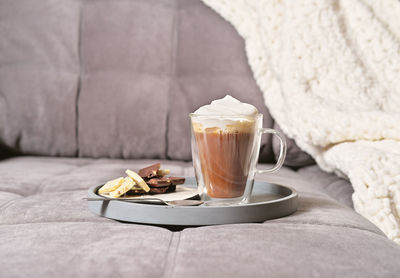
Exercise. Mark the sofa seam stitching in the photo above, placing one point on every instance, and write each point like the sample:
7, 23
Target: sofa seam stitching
167, 255
50, 222
329, 225
176, 253
168, 272
57, 221
174, 52
4, 206
179, 233
79, 85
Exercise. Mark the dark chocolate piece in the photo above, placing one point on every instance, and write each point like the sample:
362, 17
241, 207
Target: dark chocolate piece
177, 180
171, 188
150, 171
153, 190
136, 192
161, 190
159, 182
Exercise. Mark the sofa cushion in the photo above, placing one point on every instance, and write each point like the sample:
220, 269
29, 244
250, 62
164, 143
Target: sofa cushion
39, 76
146, 101
338, 188
284, 250
115, 78
83, 249
210, 63
47, 231
126, 51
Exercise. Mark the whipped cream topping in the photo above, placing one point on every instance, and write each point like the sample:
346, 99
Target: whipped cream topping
219, 112
227, 106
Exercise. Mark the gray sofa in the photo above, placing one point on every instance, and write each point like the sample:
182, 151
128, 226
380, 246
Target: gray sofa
90, 88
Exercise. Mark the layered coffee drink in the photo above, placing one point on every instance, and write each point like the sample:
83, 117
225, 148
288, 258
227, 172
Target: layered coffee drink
224, 132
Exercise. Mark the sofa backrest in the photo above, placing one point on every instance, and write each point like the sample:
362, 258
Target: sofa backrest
115, 78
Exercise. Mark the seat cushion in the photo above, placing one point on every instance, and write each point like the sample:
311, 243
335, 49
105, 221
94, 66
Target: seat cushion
47, 230
338, 188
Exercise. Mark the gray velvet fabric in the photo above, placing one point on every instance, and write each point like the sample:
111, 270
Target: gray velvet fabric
47, 231
39, 73
126, 62
338, 188
115, 78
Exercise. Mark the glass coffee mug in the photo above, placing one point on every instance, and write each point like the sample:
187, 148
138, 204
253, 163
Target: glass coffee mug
225, 152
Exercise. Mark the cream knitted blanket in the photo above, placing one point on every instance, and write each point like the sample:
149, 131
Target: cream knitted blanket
330, 74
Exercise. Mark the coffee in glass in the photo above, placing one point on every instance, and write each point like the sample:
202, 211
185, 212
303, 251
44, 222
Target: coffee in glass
226, 139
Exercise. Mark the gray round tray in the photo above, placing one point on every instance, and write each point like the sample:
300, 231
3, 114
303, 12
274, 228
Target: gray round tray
268, 201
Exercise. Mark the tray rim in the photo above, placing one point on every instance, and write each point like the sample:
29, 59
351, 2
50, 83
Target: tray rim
92, 192
188, 216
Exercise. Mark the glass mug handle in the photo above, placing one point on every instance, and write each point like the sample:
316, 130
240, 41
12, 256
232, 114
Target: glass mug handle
282, 152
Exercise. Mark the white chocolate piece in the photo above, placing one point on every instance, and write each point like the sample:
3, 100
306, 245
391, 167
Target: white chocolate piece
163, 172
138, 179
111, 185
127, 184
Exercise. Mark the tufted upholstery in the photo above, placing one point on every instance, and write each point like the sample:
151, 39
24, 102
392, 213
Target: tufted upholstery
117, 78
47, 231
